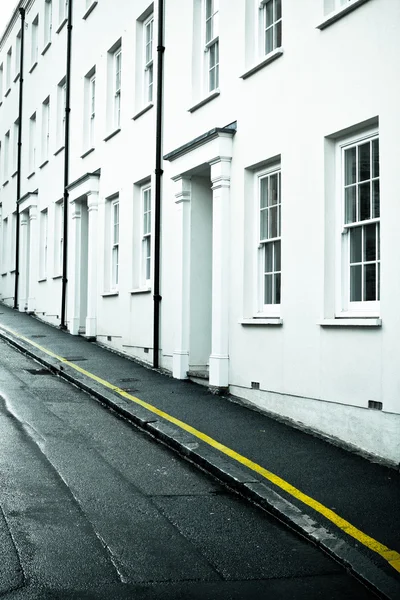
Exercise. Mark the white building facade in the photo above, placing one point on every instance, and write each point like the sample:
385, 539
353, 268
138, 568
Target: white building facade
278, 195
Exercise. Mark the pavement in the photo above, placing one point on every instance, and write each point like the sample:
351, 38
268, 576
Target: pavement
345, 504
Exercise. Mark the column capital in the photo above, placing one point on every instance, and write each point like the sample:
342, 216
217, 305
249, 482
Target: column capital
32, 212
221, 172
183, 189
92, 200
76, 210
24, 218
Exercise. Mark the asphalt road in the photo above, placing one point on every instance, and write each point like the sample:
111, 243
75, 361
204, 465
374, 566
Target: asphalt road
92, 508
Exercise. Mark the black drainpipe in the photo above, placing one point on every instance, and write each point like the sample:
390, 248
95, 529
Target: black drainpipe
158, 172
21, 89
66, 166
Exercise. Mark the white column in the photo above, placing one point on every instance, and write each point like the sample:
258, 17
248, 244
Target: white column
182, 279
33, 258
219, 359
91, 318
74, 268
23, 262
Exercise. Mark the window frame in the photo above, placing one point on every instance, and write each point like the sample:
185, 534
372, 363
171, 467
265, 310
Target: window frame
114, 266
344, 307
211, 45
117, 54
32, 143
148, 65
276, 21
261, 308
44, 233
35, 41
7, 140
92, 110
145, 235
48, 22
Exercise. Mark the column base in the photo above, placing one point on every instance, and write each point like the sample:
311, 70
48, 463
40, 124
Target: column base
74, 326
180, 365
91, 327
219, 372
31, 305
22, 305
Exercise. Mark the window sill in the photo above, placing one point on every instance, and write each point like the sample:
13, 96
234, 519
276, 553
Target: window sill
339, 13
12, 271
44, 163
61, 25
7, 92
266, 61
262, 321
42, 279
5, 183
4, 273
57, 277
143, 111
347, 322
59, 150
16, 78
206, 100
31, 175
112, 134
87, 152
89, 10
47, 46
33, 67
144, 290
14, 174
109, 294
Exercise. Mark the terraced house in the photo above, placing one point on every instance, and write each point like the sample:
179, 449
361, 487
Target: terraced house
211, 187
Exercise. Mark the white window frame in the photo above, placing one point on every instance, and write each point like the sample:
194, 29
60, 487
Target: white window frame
7, 155
46, 129
62, 102
117, 56
62, 10
4, 264
59, 239
145, 234
32, 143
148, 58
262, 308
17, 53
48, 21
35, 40
114, 258
9, 67
275, 26
335, 5
211, 44
92, 111
15, 147
44, 231
1, 82
344, 306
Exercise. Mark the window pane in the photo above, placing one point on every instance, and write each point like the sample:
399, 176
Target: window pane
364, 159
268, 289
263, 192
350, 204
355, 244
273, 222
370, 242
273, 196
277, 256
378, 236
277, 288
209, 4
269, 41
355, 283
278, 35
364, 200
278, 9
268, 258
269, 14
375, 199
375, 158
379, 282
350, 166
209, 30
370, 282
264, 224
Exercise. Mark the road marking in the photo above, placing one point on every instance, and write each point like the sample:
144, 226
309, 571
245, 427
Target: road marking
391, 556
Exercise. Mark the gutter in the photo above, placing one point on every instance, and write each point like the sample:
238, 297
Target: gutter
21, 90
158, 183
66, 167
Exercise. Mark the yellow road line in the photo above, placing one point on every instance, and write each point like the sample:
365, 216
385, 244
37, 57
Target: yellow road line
391, 556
